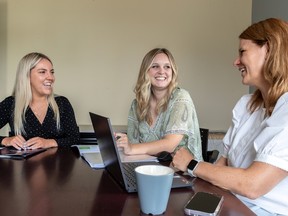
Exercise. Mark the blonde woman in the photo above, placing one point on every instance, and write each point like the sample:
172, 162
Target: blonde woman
163, 116
37, 118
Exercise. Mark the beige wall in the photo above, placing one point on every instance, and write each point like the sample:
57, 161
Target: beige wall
3, 54
97, 47
3, 47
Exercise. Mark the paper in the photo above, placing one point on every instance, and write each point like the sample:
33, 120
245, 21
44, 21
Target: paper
94, 159
91, 154
87, 148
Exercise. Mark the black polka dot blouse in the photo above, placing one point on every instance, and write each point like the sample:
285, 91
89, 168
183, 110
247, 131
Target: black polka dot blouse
66, 136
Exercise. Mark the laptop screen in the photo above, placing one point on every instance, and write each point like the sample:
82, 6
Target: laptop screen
105, 139
111, 158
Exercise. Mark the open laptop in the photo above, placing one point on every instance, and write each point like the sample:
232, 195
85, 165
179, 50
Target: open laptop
123, 173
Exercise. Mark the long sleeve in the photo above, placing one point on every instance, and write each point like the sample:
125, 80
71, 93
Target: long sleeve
6, 111
69, 128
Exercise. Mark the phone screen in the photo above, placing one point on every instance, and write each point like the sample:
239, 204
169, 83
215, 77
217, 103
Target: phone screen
203, 203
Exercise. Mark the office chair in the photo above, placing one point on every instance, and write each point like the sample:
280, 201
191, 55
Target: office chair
208, 156
87, 138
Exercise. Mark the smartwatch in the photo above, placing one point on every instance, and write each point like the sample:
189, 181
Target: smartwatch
191, 167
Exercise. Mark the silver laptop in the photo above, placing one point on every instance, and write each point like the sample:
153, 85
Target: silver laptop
123, 173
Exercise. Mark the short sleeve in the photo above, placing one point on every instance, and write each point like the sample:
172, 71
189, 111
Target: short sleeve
181, 115
181, 118
239, 114
272, 143
133, 124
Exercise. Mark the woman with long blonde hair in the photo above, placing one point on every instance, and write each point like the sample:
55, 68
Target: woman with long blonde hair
37, 118
162, 117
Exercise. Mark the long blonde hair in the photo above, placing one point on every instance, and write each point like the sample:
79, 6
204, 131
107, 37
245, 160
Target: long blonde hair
274, 33
23, 94
143, 86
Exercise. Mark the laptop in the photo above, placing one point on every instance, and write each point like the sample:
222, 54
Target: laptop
122, 172
13, 153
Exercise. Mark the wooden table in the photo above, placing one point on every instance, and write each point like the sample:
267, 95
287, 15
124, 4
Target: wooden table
59, 182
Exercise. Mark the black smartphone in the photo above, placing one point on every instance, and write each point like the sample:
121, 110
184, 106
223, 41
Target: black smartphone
204, 204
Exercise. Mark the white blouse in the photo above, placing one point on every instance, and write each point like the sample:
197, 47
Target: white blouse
254, 137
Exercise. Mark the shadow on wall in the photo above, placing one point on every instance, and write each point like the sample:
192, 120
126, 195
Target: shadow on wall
3, 54
3, 49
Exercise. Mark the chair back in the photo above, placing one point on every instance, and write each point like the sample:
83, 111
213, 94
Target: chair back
204, 133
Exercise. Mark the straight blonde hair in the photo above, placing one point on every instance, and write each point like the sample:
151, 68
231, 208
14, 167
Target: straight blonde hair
23, 94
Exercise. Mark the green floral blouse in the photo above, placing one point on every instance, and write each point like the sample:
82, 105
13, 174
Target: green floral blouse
179, 118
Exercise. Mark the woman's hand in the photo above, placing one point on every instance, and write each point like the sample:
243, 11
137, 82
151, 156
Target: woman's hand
38, 142
122, 142
182, 158
15, 141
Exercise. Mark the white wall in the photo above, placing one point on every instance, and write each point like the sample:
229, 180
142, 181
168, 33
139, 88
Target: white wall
97, 47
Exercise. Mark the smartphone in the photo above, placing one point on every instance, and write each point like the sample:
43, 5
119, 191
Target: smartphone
204, 204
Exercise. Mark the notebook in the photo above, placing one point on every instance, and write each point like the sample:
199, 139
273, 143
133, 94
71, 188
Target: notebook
122, 172
91, 154
12, 153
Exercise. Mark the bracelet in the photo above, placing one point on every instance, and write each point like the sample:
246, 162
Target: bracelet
192, 166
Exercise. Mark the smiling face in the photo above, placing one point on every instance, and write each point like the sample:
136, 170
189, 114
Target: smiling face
250, 63
42, 78
160, 72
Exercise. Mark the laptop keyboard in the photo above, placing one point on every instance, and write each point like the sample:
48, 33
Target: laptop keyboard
129, 171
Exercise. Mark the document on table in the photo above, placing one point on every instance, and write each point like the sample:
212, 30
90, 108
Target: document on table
91, 154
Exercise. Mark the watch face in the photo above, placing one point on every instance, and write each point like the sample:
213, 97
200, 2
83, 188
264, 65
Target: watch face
192, 164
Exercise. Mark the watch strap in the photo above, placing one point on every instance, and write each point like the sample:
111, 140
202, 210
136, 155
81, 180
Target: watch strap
192, 166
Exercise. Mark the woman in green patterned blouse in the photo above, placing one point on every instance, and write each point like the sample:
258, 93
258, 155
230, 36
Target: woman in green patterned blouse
162, 117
